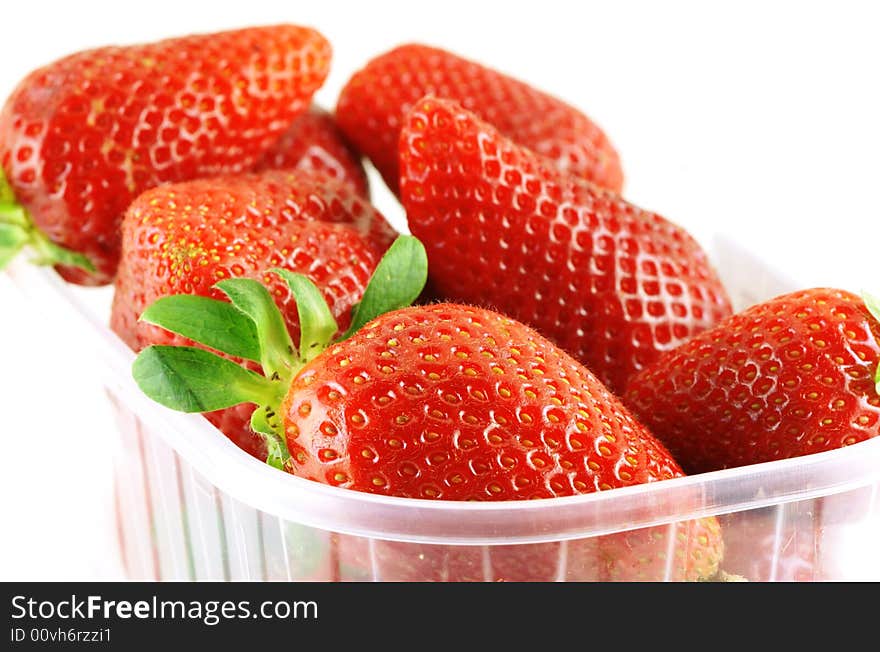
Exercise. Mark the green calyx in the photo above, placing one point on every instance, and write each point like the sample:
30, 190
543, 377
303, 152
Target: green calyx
250, 327
872, 303
18, 231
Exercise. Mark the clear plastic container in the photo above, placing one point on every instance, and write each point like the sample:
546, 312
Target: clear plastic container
191, 506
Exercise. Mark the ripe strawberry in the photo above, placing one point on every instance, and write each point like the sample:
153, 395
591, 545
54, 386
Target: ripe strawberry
610, 283
460, 403
373, 104
82, 137
783, 378
315, 142
448, 402
183, 238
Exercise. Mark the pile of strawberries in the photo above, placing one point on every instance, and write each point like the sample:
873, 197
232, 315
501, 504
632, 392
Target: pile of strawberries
563, 340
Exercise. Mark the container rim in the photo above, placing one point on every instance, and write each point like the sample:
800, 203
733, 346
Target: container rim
335, 509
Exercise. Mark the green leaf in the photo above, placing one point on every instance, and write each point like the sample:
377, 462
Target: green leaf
12, 213
12, 236
253, 299
265, 421
12, 239
316, 322
14, 216
14, 230
398, 280
216, 324
49, 253
188, 379
6, 194
17, 227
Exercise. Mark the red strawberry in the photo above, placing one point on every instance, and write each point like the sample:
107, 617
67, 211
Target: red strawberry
456, 403
783, 378
373, 104
447, 401
314, 142
83, 136
610, 283
183, 238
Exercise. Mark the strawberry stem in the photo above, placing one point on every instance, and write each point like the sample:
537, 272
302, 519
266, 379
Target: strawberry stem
277, 353
266, 421
316, 323
6, 194
17, 231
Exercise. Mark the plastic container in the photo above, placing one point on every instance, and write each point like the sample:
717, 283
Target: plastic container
191, 506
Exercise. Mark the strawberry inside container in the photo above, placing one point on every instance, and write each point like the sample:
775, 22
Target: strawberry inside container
191, 506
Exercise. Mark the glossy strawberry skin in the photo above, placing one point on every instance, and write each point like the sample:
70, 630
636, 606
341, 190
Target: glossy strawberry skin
183, 238
82, 137
460, 403
783, 378
610, 283
373, 104
315, 142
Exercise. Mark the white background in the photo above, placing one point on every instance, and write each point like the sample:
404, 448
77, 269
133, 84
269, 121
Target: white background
760, 119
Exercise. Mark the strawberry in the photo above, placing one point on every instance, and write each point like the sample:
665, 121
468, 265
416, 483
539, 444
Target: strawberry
612, 284
183, 238
433, 409
442, 401
374, 102
81, 137
787, 377
315, 142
